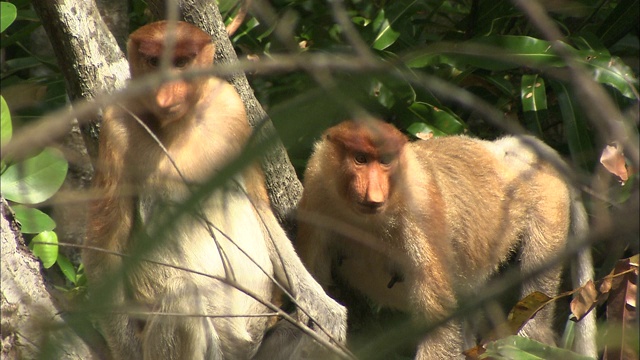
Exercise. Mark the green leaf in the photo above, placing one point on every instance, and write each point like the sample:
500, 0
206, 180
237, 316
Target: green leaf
580, 144
619, 22
611, 70
568, 336
67, 268
81, 279
533, 93
517, 50
500, 81
8, 13
513, 51
32, 221
420, 127
386, 36
5, 121
48, 254
533, 120
440, 121
360, 21
36, 179
586, 40
521, 348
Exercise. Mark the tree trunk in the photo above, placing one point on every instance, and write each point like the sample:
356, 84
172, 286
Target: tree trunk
284, 187
33, 325
93, 64
87, 53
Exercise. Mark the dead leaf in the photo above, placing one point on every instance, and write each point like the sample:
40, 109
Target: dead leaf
612, 159
605, 287
586, 299
526, 309
621, 310
424, 135
474, 353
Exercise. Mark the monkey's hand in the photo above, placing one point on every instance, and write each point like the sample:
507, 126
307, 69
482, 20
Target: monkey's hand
327, 317
323, 312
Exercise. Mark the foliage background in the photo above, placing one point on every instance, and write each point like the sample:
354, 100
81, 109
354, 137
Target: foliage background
481, 68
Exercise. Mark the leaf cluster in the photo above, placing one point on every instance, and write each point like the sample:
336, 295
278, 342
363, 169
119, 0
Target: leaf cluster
27, 183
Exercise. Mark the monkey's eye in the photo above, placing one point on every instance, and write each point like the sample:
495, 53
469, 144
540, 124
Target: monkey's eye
181, 62
153, 61
386, 159
360, 158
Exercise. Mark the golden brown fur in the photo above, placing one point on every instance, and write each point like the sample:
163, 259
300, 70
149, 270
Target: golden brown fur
203, 126
453, 211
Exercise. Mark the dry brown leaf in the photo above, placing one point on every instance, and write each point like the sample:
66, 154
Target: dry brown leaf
586, 299
612, 159
474, 353
526, 309
605, 287
622, 311
424, 135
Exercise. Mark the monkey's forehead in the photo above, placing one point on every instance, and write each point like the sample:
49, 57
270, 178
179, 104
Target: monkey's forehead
371, 137
150, 39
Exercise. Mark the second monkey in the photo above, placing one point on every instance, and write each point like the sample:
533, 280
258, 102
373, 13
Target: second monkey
412, 226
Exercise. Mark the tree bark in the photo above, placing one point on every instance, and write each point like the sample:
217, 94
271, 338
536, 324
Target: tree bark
87, 53
92, 63
284, 187
32, 324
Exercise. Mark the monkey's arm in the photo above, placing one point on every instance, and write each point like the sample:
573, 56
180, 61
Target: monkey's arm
313, 247
308, 294
110, 222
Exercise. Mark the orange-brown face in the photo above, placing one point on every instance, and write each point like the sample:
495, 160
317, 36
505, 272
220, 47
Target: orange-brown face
171, 101
369, 155
193, 49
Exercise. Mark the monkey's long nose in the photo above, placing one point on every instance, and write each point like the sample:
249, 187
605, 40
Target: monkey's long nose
171, 94
375, 195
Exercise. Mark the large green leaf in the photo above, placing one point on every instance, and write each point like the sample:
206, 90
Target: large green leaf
534, 102
67, 268
495, 52
439, 121
586, 40
36, 179
517, 51
5, 121
45, 247
421, 127
533, 93
386, 35
622, 20
32, 221
580, 144
612, 71
8, 13
517, 347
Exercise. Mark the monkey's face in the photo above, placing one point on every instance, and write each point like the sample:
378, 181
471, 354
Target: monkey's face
368, 152
171, 101
368, 178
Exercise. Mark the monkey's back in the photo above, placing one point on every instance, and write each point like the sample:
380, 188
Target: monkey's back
493, 193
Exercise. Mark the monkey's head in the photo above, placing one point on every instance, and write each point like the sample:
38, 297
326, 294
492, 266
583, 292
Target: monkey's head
369, 153
193, 49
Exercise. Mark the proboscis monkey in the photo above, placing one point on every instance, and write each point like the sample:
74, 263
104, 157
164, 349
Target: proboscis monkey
413, 225
182, 312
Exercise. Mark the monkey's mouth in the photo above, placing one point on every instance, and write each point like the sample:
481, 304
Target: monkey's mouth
171, 109
369, 208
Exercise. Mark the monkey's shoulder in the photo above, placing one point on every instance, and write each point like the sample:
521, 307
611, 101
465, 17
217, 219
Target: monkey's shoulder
454, 150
